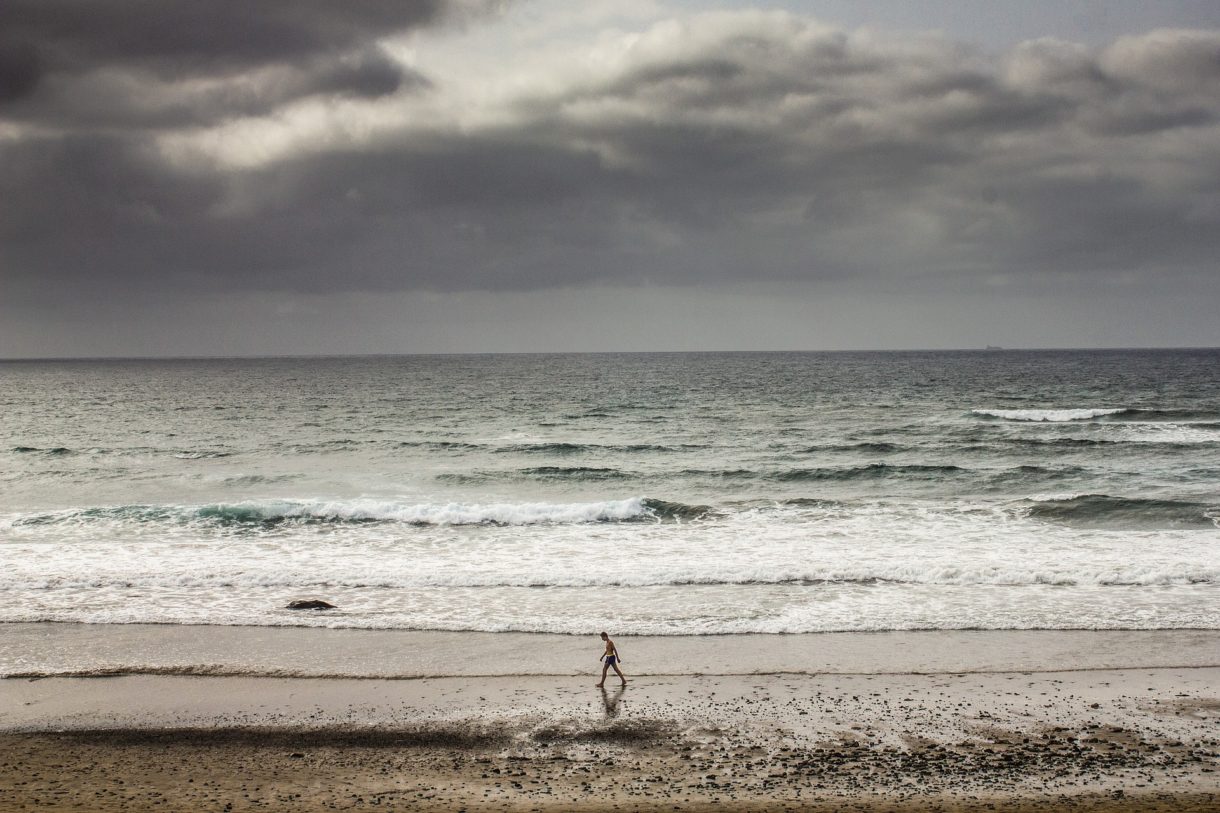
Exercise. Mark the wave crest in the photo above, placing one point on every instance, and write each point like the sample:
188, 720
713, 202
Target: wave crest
1128, 414
1104, 511
275, 512
1046, 415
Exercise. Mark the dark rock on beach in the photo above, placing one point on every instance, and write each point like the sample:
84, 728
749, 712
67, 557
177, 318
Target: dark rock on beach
309, 604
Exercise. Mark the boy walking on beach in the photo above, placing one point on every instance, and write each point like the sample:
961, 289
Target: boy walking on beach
610, 658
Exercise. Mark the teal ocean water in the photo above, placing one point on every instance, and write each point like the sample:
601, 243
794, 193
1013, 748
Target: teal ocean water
667, 494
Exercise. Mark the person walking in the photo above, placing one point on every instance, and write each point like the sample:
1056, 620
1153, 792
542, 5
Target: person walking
610, 658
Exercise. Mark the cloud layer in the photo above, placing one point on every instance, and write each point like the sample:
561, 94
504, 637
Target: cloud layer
379, 147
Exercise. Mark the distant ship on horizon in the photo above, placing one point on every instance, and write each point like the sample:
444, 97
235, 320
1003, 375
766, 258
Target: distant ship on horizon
993, 347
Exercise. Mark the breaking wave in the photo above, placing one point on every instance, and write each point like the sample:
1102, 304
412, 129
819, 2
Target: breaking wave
1046, 415
275, 512
1088, 414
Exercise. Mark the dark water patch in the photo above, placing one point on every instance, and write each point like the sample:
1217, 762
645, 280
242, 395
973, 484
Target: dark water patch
723, 474
266, 515
260, 479
1104, 511
575, 473
1168, 415
1032, 473
995, 444
138, 513
664, 509
201, 455
56, 451
919, 430
873, 471
812, 502
466, 478
583, 448
547, 448
1061, 443
440, 445
326, 446
864, 447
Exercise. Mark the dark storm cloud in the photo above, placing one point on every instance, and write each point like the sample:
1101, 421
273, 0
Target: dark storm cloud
19, 70
131, 62
729, 147
180, 38
122, 101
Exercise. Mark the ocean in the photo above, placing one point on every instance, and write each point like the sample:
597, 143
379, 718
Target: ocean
647, 494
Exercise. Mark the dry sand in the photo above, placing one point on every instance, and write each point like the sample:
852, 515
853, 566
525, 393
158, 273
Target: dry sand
1094, 740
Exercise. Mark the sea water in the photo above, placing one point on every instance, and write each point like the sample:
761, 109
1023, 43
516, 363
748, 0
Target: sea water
663, 494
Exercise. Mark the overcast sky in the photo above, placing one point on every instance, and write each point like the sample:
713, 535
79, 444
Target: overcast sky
227, 177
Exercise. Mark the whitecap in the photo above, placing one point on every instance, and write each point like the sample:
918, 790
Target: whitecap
1046, 415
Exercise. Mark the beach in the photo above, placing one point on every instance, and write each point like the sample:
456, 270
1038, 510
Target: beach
868, 733
874, 581
376, 376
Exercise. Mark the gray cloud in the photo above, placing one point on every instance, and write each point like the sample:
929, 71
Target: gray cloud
145, 63
20, 70
727, 148
117, 100
175, 39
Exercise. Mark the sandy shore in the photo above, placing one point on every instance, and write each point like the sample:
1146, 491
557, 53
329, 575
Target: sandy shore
42, 649
1103, 740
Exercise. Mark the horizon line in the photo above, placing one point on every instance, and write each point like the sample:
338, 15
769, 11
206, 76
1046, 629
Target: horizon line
989, 349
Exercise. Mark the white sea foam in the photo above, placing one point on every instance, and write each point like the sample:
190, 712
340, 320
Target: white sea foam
693, 611
341, 577
1047, 415
871, 565
1166, 433
530, 513
360, 510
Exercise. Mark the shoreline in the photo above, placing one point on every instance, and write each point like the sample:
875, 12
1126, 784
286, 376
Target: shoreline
49, 649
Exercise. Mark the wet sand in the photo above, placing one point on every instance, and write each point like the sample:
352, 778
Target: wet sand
1097, 740
42, 649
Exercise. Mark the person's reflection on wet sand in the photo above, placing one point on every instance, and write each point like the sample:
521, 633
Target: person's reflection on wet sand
611, 699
